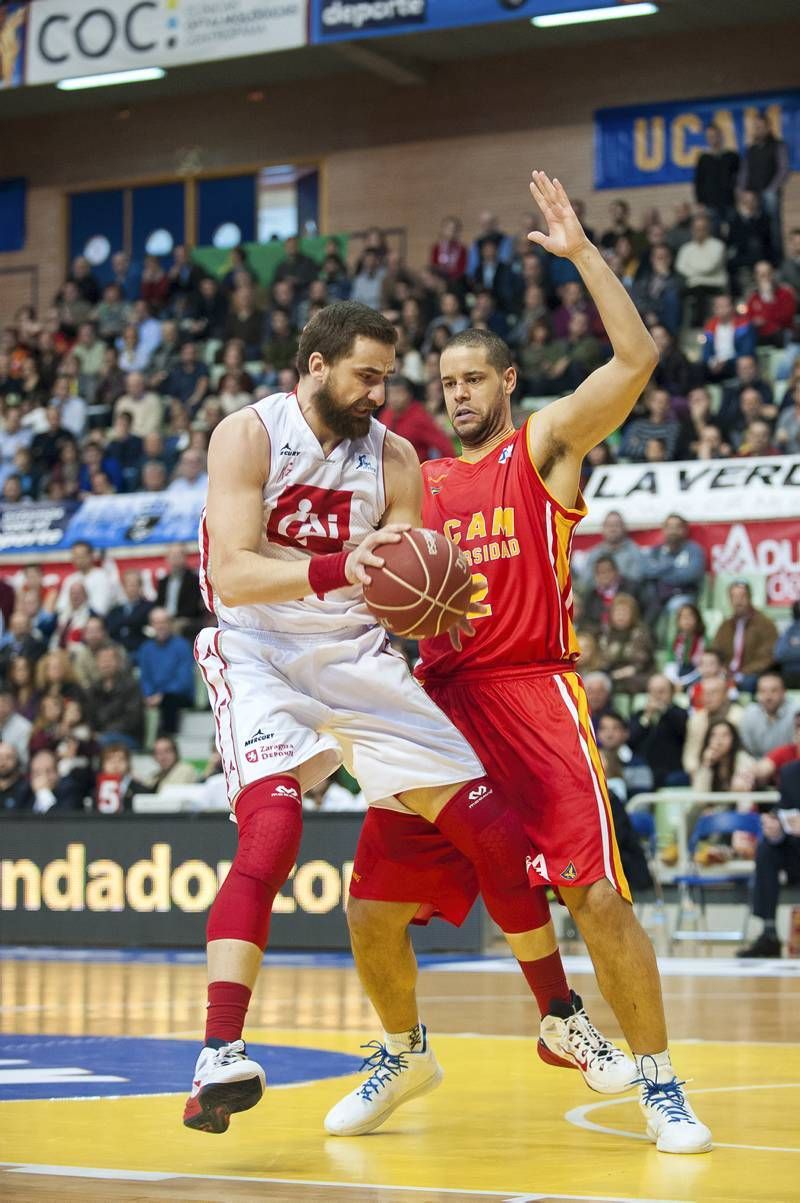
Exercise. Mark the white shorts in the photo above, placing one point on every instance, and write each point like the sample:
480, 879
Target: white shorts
304, 704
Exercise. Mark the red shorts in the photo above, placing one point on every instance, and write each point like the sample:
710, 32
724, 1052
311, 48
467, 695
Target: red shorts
404, 858
533, 732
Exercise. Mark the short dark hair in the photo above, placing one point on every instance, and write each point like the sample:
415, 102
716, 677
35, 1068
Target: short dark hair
400, 381
111, 749
497, 351
333, 331
604, 559
616, 716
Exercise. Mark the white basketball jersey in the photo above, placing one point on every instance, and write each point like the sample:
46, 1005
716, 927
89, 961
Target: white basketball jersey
313, 505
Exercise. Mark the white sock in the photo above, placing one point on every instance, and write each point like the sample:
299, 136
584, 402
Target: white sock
405, 1042
663, 1065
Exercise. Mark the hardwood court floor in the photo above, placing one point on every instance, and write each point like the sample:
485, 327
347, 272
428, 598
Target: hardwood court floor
502, 1126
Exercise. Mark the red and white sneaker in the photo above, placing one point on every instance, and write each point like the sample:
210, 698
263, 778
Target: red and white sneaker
225, 1080
568, 1038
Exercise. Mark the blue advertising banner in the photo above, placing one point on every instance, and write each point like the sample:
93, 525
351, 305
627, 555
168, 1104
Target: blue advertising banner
336, 20
34, 526
136, 518
122, 521
661, 143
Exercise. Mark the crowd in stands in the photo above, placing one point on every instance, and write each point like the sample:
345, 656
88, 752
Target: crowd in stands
117, 387
678, 704
81, 664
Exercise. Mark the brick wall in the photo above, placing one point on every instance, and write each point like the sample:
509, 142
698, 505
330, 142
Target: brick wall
463, 142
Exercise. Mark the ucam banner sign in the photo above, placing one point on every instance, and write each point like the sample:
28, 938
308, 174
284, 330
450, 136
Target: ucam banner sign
69, 38
337, 20
661, 143
722, 490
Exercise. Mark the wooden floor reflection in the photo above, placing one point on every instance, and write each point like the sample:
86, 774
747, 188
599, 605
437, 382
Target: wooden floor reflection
502, 1126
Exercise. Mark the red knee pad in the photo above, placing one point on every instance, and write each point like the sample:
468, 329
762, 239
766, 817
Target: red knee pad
480, 823
270, 819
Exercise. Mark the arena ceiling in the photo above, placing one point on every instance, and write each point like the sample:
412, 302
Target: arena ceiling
411, 60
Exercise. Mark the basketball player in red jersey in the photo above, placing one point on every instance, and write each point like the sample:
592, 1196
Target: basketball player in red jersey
511, 503
304, 488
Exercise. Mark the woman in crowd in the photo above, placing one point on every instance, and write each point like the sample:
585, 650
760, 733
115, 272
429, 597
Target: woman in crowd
722, 760
687, 647
590, 659
55, 676
21, 680
625, 648
47, 731
231, 394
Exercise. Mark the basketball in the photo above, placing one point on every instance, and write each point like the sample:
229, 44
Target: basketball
423, 588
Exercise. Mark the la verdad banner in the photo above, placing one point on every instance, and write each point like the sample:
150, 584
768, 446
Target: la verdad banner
660, 143
720, 490
744, 513
86, 37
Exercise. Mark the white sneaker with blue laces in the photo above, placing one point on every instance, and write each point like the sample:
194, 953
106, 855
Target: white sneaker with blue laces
671, 1122
393, 1079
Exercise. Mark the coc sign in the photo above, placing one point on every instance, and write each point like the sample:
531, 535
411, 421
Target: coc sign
81, 37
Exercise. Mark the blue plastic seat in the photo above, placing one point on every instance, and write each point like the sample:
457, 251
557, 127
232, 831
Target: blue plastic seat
693, 886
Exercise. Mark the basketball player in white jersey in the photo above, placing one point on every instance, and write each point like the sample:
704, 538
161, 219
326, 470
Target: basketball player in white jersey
303, 490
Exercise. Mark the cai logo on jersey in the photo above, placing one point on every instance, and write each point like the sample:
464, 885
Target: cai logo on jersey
315, 519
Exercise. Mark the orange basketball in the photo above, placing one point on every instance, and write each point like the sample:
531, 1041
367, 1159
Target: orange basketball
423, 588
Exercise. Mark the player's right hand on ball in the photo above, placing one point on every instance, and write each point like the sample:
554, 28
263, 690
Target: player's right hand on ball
364, 557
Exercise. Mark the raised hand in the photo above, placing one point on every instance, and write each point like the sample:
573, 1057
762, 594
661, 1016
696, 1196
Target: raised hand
565, 235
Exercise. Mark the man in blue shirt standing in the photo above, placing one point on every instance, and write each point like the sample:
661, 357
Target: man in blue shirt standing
166, 665
676, 569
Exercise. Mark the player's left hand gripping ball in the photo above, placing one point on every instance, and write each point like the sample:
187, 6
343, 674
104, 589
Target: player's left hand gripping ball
424, 587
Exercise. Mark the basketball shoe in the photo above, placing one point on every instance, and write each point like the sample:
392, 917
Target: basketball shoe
225, 1080
567, 1037
671, 1122
393, 1079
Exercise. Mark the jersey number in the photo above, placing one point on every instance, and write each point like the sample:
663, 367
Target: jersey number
480, 590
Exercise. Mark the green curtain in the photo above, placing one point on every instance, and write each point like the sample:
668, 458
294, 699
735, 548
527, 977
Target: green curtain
263, 257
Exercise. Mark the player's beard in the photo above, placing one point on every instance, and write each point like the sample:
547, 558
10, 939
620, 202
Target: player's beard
339, 419
492, 424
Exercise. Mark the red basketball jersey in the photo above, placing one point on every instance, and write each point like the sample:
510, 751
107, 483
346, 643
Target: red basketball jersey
517, 539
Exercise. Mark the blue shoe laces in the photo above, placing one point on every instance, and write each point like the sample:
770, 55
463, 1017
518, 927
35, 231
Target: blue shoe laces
666, 1097
384, 1065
